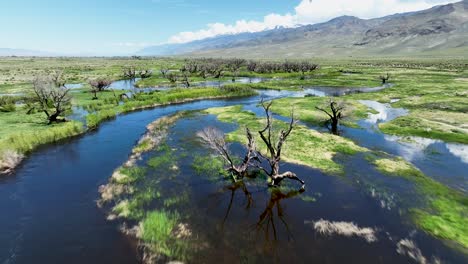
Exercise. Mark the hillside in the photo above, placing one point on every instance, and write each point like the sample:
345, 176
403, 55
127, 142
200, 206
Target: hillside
441, 30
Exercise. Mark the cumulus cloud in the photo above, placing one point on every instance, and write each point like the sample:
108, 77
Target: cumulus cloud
309, 12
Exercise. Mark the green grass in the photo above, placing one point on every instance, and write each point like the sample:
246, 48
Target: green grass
158, 229
445, 214
24, 141
143, 146
304, 109
128, 175
304, 146
93, 120
417, 126
211, 167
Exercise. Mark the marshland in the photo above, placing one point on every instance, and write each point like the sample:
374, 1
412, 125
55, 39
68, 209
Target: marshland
204, 160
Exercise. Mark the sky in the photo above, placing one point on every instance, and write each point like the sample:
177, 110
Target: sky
122, 27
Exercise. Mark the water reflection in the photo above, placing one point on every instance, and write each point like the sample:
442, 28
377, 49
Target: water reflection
273, 210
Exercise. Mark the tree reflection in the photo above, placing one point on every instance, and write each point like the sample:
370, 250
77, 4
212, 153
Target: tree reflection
233, 189
266, 222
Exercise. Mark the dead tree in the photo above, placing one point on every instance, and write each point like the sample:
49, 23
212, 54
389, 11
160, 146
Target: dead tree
204, 71
234, 66
335, 114
385, 78
215, 139
51, 98
171, 77
99, 85
185, 79
57, 78
274, 147
145, 73
129, 72
252, 66
164, 71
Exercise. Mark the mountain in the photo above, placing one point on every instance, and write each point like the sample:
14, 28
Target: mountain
5, 52
441, 30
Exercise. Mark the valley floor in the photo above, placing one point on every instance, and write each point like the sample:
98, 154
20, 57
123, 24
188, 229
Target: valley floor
411, 135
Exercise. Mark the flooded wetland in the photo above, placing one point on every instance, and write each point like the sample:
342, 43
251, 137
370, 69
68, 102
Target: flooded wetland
137, 182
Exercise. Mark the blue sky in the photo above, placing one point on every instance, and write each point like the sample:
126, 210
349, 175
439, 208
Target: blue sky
113, 27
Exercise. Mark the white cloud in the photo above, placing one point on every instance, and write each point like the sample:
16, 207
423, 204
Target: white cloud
269, 22
308, 12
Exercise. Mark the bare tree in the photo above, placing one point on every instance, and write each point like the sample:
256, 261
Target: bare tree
204, 71
215, 139
252, 66
191, 66
129, 72
234, 66
335, 114
171, 77
164, 71
306, 66
99, 85
145, 73
385, 78
185, 78
275, 146
52, 97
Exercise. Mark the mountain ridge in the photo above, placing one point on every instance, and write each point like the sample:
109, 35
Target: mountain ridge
439, 30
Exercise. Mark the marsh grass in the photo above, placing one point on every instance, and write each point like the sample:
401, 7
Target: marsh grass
444, 214
305, 146
304, 109
24, 142
158, 229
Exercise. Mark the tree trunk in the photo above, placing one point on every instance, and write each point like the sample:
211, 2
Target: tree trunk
334, 125
54, 118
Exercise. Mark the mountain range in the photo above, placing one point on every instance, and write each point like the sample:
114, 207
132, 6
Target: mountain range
441, 30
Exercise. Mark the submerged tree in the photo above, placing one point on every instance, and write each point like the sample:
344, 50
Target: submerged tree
384, 78
216, 140
335, 114
275, 146
52, 97
99, 85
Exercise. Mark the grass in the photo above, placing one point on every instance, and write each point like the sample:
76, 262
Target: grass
158, 229
416, 125
93, 120
304, 146
304, 109
434, 90
22, 132
128, 175
211, 167
446, 210
27, 140
445, 214
144, 146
